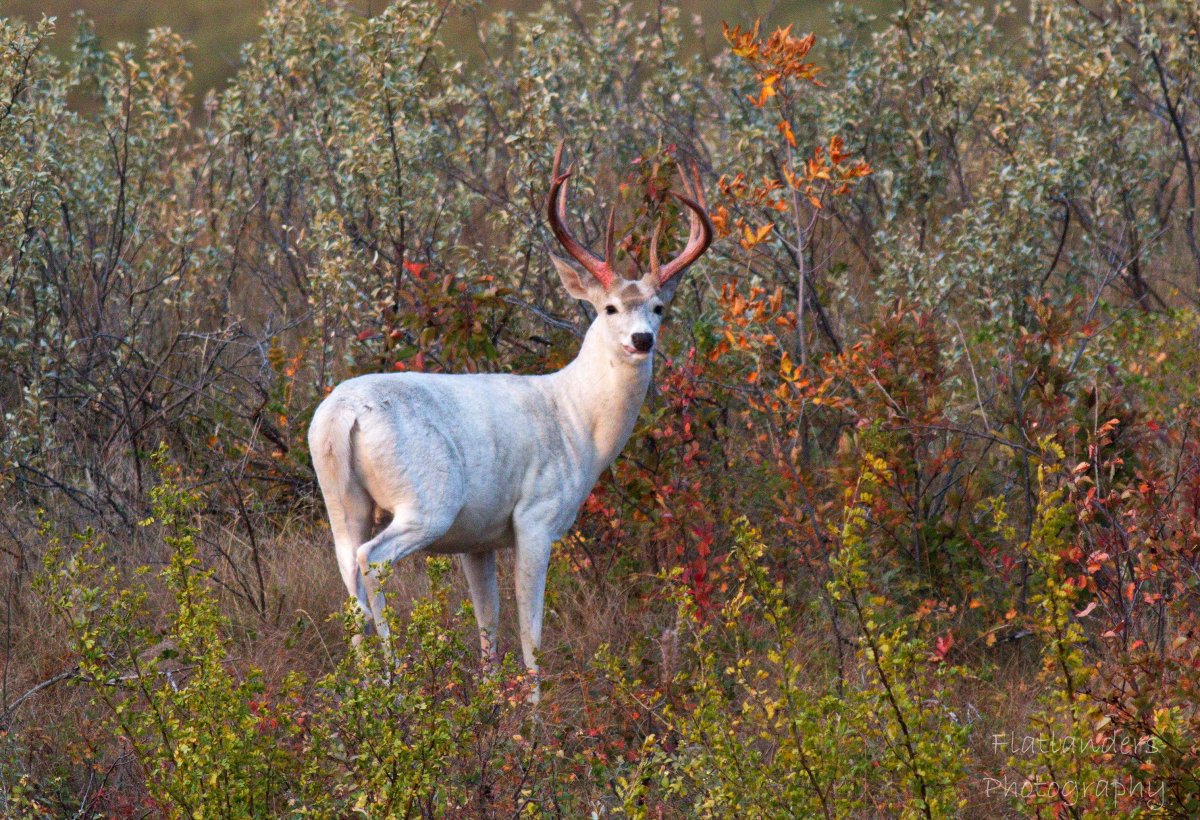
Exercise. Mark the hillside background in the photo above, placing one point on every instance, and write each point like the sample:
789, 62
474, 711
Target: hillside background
909, 524
217, 30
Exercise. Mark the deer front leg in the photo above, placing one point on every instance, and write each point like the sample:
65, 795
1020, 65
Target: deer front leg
532, 560
480, 569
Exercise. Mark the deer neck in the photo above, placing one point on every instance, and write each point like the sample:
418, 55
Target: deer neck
601, 394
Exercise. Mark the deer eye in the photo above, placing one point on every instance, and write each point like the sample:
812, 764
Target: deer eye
610, 309
658, 309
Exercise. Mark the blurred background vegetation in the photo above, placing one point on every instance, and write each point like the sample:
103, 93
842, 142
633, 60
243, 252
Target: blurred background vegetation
908, 526
217, 30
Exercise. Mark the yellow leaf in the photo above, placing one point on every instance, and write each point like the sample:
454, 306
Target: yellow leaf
767, 91
750, 238
786, 369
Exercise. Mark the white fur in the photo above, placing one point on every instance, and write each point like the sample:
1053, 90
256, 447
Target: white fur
469, 464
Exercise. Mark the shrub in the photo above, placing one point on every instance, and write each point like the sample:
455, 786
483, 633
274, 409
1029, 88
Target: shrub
919, 469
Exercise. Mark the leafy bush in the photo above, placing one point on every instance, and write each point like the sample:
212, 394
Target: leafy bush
413, 730
908, 524
750, 736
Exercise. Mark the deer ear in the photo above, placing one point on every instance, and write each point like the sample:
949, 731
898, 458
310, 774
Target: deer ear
578, 283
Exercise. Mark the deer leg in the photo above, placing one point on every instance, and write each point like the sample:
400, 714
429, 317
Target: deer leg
406, 534
480, 569
350, 516
533, 558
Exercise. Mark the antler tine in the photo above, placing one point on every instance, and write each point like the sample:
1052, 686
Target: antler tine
693, 187
556, 212
700, 229
558, 160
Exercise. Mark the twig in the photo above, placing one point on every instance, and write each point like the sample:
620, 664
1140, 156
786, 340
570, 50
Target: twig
46, 684
975, 379
553, 321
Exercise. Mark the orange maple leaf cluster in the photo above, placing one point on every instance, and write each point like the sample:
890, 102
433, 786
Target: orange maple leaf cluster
763, 194
830, 168
779, 57
829, 171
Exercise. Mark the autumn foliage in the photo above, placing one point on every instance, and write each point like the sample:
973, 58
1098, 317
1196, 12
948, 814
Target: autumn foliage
909, 522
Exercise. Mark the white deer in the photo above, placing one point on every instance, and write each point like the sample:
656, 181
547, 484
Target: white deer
469, 464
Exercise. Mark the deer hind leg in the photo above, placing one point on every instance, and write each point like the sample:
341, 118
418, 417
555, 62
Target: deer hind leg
409, 531
480, 569
350, 517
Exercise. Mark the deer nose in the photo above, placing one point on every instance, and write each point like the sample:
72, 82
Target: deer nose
643, 342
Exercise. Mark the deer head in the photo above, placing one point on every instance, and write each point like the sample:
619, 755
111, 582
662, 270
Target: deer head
628, 311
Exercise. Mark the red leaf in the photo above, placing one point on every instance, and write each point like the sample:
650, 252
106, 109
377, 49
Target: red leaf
941, 647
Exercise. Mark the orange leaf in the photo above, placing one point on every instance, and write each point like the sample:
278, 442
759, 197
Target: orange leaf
785, 128
743, 43
720, 220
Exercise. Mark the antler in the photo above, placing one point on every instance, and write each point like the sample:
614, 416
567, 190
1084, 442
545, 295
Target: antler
556, 210
700, 233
